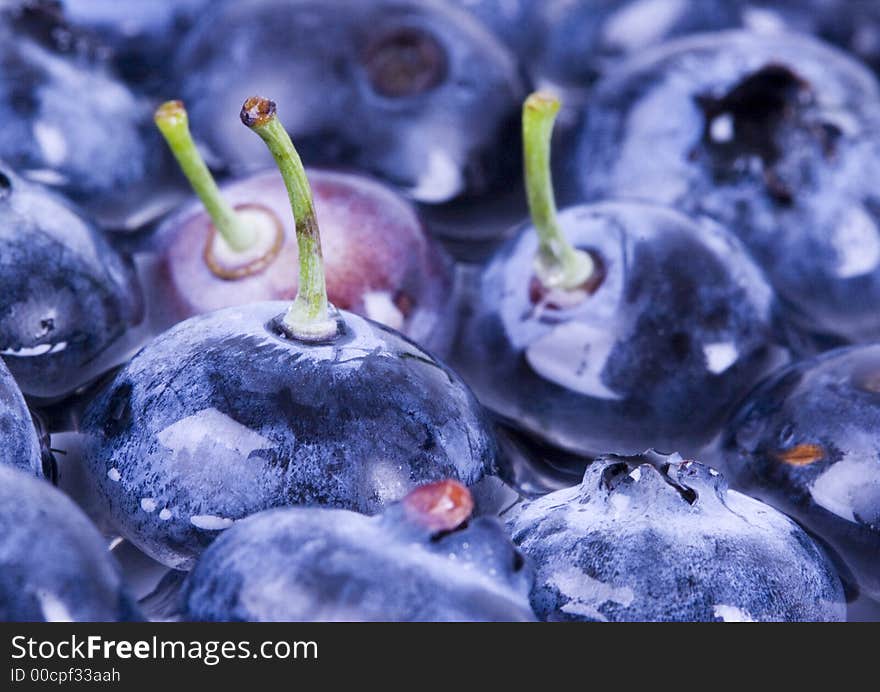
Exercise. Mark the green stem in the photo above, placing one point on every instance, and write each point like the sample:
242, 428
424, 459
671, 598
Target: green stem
558, 264
173, 123
309, 316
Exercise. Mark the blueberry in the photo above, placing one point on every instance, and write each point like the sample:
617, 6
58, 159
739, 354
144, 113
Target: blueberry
269, 404
54, 565
380, 261
221, 417
420, 95
807, 442
67, 121
652, 537
21, 445
775, 137
417, 561
664, 330
66, 297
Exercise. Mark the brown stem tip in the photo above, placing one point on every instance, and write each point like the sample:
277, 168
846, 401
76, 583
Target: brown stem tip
257, 111
439, 506
170, 111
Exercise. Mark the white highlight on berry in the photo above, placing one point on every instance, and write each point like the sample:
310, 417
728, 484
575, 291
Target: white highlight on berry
722, 129
763, 21
573, 355
210, 522
720, 356
114, 475
46, 176
857, 244
640, 23
165, 514
213, 427
53, 607
51, 141
35, 351
587, 595
148, 504
441, 180
848, 487
380, 308
729, 613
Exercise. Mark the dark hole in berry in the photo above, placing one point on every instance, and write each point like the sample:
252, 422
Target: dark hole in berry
518, 561
405, 62
614, 474
688, 494
746, 120
5, 185
619, 472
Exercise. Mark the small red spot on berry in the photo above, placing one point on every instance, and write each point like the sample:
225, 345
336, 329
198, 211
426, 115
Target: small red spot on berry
801, 455
440, 506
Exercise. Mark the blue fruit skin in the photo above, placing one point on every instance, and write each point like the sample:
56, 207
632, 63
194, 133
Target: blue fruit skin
315, 564
852, 26
53, 562
807, 211
21, 446
220, 417
672, 287
67, 121
516, 23
652, 538
832, 402
456, 138
586, 39
66, 296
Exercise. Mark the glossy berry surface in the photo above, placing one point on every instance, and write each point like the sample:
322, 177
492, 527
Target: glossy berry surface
671, 331
67, 121
66, 297
54, 565
221, 417
419, 95
21, 446
807, 442
379, 260
319, 564
654, 538
774, 137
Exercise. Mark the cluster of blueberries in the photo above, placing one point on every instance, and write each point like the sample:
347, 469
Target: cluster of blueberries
366, 391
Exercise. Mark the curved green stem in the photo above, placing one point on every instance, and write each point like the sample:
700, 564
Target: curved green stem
558, 264
309, 317
173, 123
